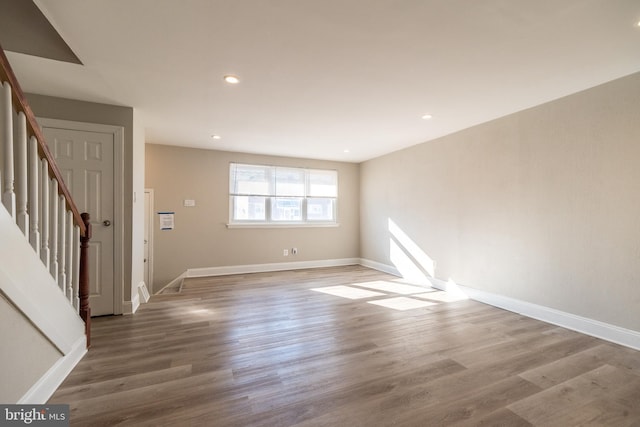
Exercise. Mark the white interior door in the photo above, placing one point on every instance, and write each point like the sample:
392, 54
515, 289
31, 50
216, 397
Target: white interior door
86, 162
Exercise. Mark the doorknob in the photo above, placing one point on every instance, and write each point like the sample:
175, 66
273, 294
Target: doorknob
106, 223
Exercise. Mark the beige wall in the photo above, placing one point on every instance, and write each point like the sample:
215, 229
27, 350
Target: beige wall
89, 112
201, 237
542, 205
26, 354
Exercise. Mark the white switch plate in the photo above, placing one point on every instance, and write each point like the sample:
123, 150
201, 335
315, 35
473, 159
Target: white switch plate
189, 202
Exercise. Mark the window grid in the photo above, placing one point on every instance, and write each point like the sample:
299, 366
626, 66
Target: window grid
272, 195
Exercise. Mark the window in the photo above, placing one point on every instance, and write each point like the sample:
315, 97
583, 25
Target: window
260, 194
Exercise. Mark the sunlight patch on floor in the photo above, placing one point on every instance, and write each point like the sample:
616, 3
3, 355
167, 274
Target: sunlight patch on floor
396, 288
201, 311
347, 292
442, 296
402, 303
420, 296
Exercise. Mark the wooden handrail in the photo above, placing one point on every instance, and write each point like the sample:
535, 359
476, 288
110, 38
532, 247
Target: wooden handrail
21, 104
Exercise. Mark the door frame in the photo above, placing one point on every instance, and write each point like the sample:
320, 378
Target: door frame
149, 218
118, 195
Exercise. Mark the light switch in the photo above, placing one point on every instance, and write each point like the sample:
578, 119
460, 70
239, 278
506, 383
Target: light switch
189, 203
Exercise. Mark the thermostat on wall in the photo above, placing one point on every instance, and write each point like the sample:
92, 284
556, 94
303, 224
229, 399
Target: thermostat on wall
189, 202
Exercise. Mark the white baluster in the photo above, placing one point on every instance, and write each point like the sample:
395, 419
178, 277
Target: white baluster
45, 184
53, 244
62, 267
76, 267
34, 206
69, 257
20, 149
6, 145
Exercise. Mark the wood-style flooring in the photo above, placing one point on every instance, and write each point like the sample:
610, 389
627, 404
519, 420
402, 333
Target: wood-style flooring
280, 349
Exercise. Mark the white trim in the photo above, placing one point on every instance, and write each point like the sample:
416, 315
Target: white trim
605, 331
380, 267
118, 212
118, 196
25, 282
150, 218
271, 195
283, 225
594, 328
262, 268
258, 268
130, 307
173, 282
44, 388
24, 302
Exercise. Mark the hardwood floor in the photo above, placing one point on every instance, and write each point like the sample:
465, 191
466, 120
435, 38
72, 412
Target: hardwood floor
276, 349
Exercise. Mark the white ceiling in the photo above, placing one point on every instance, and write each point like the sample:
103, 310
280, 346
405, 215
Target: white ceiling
323, 76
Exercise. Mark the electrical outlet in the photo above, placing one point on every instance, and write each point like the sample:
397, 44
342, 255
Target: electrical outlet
285, 252
294, 251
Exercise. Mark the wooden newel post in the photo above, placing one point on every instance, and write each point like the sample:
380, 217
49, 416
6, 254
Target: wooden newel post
83, 291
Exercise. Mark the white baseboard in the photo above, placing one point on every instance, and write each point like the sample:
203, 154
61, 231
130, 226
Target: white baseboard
257, 268
44, 388
594, 328
605, 331
172, 283
263, 268
130, 307
380, 266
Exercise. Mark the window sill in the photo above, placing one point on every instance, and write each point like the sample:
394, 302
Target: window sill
283, 225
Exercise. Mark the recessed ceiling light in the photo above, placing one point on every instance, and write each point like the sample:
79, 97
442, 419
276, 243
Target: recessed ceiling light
230, 78
216, 137
427, 117
346, 150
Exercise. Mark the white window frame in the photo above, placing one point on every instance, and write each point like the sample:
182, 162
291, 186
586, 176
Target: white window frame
271, 196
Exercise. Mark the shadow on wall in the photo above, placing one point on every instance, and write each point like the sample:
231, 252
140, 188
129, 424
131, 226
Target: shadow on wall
413, 264
409, 259
413, 291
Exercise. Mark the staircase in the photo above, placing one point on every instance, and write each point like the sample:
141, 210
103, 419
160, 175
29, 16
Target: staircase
44, 289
